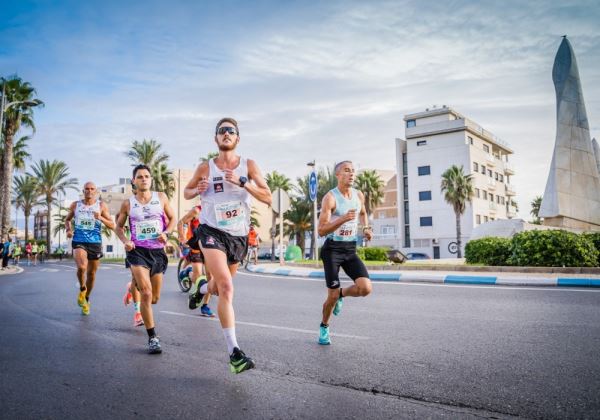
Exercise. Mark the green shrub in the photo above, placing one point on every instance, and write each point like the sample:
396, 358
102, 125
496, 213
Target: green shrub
489, 251
552, 248
595, 238
374, 253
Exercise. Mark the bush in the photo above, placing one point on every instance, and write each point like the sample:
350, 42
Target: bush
489, 251
374, 253
595, 238
552, 248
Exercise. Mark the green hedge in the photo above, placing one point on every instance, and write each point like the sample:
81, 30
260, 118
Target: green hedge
488, 251
537, 248
374, 253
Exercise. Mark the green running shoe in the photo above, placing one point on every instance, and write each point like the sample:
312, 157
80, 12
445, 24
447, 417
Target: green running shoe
239, 362
338, 306
194, 299
324, 339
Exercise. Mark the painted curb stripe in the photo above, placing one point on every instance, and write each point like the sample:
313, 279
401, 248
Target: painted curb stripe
578, 282
319, 274
470, 280
282, 272
385, 277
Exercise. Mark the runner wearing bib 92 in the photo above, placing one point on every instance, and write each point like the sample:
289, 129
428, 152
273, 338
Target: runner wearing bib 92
151, 219
89, 214
341, 210
226, 185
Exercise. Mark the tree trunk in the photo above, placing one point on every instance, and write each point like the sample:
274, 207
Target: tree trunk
26, 226
49, 202
6, 183
300, 241
458, 242
273, 231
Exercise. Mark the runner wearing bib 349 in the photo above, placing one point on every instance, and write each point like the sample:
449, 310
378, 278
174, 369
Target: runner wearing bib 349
340, 212
151, 219
226, 191
89, 215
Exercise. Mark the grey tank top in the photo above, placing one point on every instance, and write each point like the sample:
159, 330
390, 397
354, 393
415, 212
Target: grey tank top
226, 206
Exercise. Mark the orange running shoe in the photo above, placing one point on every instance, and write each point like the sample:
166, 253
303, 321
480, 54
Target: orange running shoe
127, 299
137, 320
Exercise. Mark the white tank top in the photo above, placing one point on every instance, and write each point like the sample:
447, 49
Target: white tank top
226, 206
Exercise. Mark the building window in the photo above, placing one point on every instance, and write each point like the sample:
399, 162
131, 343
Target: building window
405, 185
411, 123
483, 169
485, 219
381, 215
404, 164
407, 236
424, 170
421, 243
109, 248
489, 172
422, 143
500, 177
388, 230
496, 176
491, 219
486, 148
477, 193
484, 194
424, 195
478, 219
498, 199
426, 221
491, 197
470, 139
475, 166
406, 220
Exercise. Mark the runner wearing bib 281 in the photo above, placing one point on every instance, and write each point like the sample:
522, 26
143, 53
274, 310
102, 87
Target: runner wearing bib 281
89, 215
340, 212
151, 219
226, 185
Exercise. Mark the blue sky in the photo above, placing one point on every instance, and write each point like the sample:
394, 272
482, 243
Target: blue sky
328, 80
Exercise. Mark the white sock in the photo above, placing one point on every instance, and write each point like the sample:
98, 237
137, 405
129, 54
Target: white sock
229, 334
204, 290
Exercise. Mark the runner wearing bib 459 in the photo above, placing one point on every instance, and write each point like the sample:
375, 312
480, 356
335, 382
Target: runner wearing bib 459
89, 214
341, 210
226, 185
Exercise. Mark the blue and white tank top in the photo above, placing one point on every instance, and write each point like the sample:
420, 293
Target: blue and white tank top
87, 227
348, 231
226, 206
147, 222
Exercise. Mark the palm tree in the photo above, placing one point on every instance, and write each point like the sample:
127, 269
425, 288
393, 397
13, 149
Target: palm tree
254, 217
20, 153
59, 220
18, 102
535, 210
26, 196
371, 185
458, 191
148, 152
299, 221
276, 180
209, 156
53, 178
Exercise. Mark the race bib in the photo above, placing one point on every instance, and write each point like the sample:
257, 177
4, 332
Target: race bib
346, 232
85, 222
148, 229
229, 214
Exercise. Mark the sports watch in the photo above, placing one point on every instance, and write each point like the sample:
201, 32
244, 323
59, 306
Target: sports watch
243, 181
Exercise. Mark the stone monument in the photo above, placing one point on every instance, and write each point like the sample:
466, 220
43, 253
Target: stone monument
596, 153
572, 196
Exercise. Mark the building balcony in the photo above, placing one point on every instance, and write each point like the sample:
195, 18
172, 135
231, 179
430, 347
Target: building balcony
511, 212
510, 190
491, 184
434, 128
493, 207
509, 168
490, 159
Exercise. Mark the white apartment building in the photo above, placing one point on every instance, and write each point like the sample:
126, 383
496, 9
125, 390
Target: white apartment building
436, 139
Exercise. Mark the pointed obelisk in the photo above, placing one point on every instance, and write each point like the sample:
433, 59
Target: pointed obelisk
596, 149
572, 195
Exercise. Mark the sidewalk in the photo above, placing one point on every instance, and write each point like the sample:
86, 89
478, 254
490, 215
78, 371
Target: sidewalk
11, 269
449, 277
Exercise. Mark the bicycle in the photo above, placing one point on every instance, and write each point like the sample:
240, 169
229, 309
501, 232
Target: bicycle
183, 280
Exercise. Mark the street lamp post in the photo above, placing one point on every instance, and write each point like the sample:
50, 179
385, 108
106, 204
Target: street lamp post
313, 250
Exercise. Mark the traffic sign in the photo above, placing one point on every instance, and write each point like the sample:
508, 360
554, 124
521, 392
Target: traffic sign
281, 201
312, 186
453, 248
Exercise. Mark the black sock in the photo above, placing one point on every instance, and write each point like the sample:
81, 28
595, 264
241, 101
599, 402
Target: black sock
81, 289
341, 294
151, 332
324, 325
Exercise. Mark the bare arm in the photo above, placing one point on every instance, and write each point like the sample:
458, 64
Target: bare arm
105, 217
185, 220
69, 218
259, 188
121, 220
199, 182
170, 216
327, 207
364, 219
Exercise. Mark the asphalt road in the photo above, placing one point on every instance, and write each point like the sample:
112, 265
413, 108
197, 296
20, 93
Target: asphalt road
406, 351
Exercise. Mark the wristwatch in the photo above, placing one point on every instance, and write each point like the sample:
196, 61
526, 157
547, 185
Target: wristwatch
243, 181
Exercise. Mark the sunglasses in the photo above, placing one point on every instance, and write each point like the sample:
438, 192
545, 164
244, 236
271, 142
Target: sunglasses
223, 130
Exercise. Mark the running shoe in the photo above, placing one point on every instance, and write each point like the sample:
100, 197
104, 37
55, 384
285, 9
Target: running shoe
154, 345
137, 320
324, 339
195, 298
206, 311
127, 299
239, 362
81, 298
85, 308
338, 306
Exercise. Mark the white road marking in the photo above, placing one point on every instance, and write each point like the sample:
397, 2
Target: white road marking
49, 270
273, 327
66, 266
464, 286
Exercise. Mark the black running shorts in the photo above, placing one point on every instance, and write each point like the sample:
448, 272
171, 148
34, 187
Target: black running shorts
336, 254
154, 260
93, 250
194, 256
235, 247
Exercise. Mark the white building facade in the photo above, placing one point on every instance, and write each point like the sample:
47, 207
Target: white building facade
436, 139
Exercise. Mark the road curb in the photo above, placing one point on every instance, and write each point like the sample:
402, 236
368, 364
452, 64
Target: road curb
415, 277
